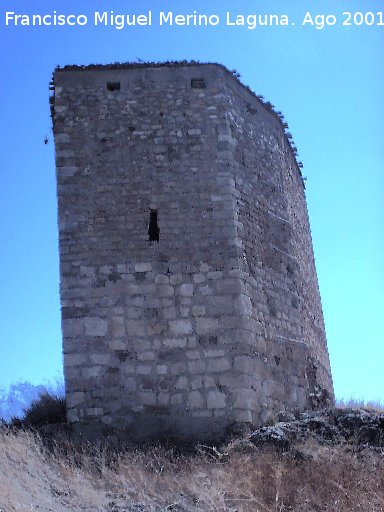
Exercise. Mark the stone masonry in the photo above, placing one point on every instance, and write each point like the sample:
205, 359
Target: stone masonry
189, 293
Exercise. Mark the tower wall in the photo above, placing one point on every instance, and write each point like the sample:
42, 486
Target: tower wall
217, 322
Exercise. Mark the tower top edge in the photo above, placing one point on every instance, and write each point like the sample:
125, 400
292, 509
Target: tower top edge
168, 65
137, 65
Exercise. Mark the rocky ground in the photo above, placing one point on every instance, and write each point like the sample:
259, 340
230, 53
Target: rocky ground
360, 429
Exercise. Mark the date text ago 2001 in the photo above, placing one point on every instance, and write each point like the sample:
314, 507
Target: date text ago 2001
349, 19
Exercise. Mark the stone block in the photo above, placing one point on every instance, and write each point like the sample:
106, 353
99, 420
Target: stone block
95, 326
216, 399
181, 383
232, 321
64, 153
72, 415
137, 301
246, 337
117, 345
129, 384
72, 373
107, 419
177, 399
192, 341
144, 369
61, 137
205, 290
206, 325
147, 398
148, 355
243, 416
135, 327
217, 274
95, 411
101, 359
92, 372
219, 305
197, 382
221, 364
143, 267
193, 354
186, 290
161, 369
214, 352
246, 399
195, 400
134, 313
209, 381
198, 310
165, 290
180, 327
169, 313
117, 326
128, 368
178, 368
67, 170
244, 364
74, 399
163, 398
176, 279
243, 305
140, 344
154, 329
235, 380
175, 342
228, 286
162, 279
74, 359
199, 278
196, 366
202, 414
184, 312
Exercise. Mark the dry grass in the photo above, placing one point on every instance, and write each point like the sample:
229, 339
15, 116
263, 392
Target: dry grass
70, 478
357, 403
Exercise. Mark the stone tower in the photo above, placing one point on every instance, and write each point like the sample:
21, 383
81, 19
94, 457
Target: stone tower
189, 293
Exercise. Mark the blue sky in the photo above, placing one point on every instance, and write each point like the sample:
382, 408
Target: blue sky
328, 83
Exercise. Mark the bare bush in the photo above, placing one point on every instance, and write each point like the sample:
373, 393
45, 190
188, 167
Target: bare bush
46, 410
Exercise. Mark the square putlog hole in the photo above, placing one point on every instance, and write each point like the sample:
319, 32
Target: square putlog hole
113, 86
198, 83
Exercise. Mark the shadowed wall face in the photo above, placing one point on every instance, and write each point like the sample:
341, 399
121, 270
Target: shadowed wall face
188, 288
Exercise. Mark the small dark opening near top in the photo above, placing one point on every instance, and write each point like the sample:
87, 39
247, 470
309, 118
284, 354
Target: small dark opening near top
198, 83
153, 229
113, 86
